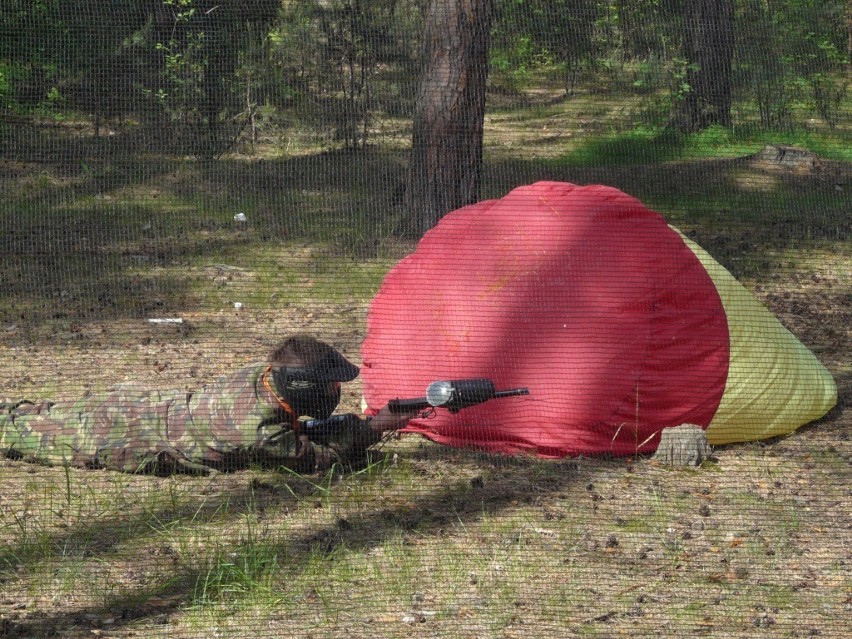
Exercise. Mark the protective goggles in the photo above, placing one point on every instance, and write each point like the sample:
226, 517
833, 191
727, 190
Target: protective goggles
331, 368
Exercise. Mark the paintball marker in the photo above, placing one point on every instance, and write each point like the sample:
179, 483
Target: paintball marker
453, 395
335, 428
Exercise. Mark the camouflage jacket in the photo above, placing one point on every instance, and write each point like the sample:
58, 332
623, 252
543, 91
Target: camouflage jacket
231, 424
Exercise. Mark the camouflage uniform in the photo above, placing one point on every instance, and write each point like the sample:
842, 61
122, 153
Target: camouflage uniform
231, 424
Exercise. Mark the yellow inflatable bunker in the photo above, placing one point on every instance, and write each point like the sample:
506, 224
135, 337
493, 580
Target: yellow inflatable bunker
774, 383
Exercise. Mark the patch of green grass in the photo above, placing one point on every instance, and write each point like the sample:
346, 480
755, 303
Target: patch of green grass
639, 146
648, 145
717, 141
638, 525
249, 571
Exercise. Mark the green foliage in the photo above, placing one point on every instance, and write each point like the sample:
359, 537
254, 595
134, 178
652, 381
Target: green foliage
205, 76
51, 43
204, 55
202, 74
8, 71
763, 67
790, 55
5, 84
108, 58
818, 29
536, 33
789, 50
183, 72
644, 29
336, 64
662, 84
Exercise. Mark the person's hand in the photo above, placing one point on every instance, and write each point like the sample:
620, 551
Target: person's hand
386, 420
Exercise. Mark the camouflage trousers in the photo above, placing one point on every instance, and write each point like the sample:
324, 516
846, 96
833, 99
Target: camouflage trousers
132, 437
232, 423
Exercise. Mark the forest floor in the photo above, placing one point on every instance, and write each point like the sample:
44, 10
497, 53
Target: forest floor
430, 541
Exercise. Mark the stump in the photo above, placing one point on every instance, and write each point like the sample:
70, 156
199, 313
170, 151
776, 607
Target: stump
684, 445
786, 158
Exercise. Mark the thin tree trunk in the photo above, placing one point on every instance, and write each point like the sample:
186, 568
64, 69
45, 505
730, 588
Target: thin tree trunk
446, 155
709, 50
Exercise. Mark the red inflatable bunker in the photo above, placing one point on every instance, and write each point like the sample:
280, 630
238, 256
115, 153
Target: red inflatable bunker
583, 295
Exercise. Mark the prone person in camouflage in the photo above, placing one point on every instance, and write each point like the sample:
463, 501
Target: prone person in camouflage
249, 417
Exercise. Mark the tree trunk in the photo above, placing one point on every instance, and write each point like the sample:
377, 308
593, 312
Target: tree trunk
684, 445
446, 154
709, 49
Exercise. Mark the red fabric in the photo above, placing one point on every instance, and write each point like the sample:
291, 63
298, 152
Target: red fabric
580, 293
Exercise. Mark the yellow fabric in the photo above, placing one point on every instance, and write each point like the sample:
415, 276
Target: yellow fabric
775, 384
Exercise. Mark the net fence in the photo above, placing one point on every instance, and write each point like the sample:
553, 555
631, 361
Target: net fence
633, 213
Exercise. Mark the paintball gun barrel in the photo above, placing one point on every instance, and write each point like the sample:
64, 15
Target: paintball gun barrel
453, 395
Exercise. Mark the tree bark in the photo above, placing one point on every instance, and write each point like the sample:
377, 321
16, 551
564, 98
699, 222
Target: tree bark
709, 50
446, 154
684, 445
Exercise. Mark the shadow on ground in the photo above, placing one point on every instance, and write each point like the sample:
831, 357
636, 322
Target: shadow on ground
511, 480
106, 241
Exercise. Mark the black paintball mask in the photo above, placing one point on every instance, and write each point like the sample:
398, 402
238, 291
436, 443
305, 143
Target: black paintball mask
314, 391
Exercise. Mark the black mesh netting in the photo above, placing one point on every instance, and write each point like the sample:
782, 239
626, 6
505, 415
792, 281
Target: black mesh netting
192, 192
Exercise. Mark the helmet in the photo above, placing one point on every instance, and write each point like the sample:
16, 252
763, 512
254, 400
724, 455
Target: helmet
313, 389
